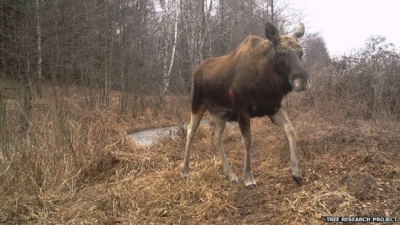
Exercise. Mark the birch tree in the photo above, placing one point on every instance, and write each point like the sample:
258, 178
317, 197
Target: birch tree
195, 20
2, 34
170, 35
39, 41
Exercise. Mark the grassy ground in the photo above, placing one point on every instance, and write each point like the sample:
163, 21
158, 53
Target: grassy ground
77, 166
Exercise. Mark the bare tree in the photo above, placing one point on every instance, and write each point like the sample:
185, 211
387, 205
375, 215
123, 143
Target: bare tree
195, 23
316, 52
136, 46
170, 35
39, 41
2, 33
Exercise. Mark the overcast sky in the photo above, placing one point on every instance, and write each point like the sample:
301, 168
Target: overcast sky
346, 24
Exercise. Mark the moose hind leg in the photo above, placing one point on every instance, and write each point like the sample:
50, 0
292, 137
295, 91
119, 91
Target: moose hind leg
280, 119
191, 130
217, 138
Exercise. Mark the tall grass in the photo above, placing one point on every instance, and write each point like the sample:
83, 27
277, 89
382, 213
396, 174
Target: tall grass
66, 149
365, 84
63, 139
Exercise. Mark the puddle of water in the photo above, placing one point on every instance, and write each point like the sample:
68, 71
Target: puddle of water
150, 136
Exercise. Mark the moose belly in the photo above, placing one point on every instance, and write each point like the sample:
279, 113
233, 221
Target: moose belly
259, 109
225, 110
228, 110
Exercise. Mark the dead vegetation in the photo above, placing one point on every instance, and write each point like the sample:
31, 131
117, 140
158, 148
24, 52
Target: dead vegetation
77, 166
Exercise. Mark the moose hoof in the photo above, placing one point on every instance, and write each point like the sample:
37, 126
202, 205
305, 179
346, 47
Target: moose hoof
233, 179
250, 182
298, 180
251, 186
185, 172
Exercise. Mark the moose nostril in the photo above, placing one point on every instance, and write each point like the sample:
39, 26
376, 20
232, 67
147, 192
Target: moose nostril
301, 84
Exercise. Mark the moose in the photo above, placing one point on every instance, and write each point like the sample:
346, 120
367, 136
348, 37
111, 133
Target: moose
250, 82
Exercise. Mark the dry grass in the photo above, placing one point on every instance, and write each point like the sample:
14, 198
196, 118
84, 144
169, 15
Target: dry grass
78, 167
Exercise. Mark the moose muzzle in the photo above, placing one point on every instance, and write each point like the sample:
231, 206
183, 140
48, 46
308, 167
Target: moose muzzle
301, 84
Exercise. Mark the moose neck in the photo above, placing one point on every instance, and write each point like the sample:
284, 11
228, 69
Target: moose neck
283, 75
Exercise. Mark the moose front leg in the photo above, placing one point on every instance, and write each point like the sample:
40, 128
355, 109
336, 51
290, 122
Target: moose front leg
244, 125
280, 119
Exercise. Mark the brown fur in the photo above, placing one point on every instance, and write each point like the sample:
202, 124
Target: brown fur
249, 74
249, 82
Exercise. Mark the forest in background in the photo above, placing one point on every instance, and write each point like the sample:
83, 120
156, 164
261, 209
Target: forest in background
75, 76
139, 47
148, 47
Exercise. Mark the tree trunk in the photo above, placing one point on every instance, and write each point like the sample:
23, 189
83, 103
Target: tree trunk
39, 41
104, 98
2, 56
272, 11
168, 66
27, 113
39, 50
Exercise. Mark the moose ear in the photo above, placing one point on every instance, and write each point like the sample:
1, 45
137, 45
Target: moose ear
271, 33
299, 31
